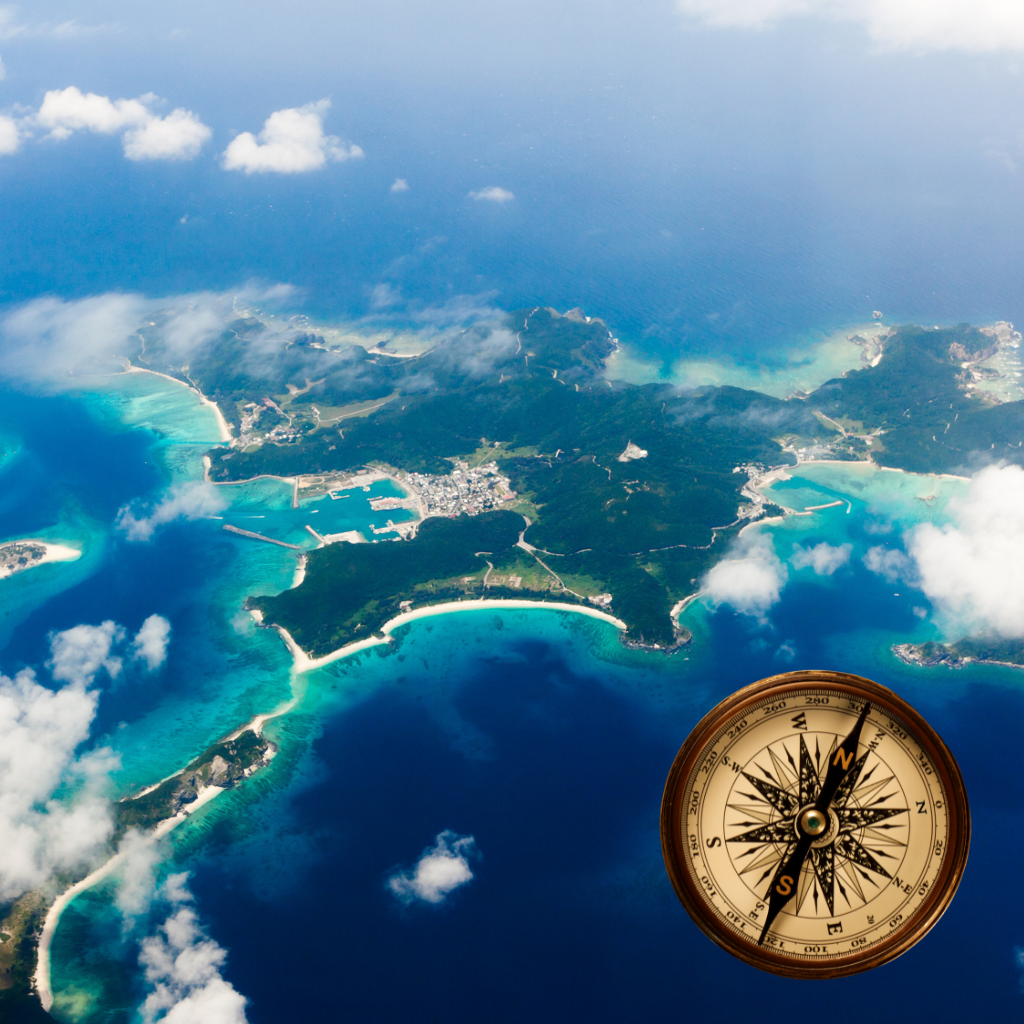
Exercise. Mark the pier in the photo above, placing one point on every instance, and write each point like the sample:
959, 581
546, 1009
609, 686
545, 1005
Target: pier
259, 536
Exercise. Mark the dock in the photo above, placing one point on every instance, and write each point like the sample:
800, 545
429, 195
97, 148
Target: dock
259, 536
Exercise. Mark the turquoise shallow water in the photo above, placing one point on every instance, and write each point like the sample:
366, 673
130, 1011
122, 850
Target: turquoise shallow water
535, 731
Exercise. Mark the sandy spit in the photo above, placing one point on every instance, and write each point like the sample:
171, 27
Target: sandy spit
54, 553
42, 975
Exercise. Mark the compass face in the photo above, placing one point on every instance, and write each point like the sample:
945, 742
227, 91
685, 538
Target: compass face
815, 825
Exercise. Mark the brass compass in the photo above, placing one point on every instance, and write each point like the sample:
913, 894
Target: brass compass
814, 825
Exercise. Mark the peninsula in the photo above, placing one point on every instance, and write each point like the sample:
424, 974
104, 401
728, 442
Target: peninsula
27, 924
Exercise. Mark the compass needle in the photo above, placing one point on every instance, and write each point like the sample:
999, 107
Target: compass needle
814, 825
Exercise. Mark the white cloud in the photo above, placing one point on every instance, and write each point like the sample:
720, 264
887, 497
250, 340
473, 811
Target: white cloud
442, 869
10, 137
183, 966
40, 729
972, 569
975, 26
48, 341
77, 654
182, 501
786, 652
493, 194
136, 890
823, 558
292, 141
67, 110
385, 295
400, 185
150, 643
178, 136
48, 338
12, 28
750, 578
889, 563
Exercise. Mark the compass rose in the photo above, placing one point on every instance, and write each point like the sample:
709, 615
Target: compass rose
852, 841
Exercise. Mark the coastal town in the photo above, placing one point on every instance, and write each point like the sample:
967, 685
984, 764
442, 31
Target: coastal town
469, 490
466, 490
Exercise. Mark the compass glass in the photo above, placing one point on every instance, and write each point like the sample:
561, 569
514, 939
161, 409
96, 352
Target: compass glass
815, 827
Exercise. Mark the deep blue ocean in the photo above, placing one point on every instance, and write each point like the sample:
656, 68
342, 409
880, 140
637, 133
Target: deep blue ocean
535, 732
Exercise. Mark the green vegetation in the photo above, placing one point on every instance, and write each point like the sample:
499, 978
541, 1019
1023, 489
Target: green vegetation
22, 921
350, 590
641, 530
249, 362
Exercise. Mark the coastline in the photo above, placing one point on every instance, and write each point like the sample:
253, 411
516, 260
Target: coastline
204, 794
908, 654
222, 423
304, 663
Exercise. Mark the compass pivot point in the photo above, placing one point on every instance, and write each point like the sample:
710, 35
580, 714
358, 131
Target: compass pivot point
813, 822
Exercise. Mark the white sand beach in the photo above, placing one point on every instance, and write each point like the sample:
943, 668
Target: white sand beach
304, 663
222, 424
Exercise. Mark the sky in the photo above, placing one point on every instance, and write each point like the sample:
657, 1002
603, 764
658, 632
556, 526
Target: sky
695, 172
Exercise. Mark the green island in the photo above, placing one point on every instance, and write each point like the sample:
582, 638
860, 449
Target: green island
984, 650
222, 765
618, 496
